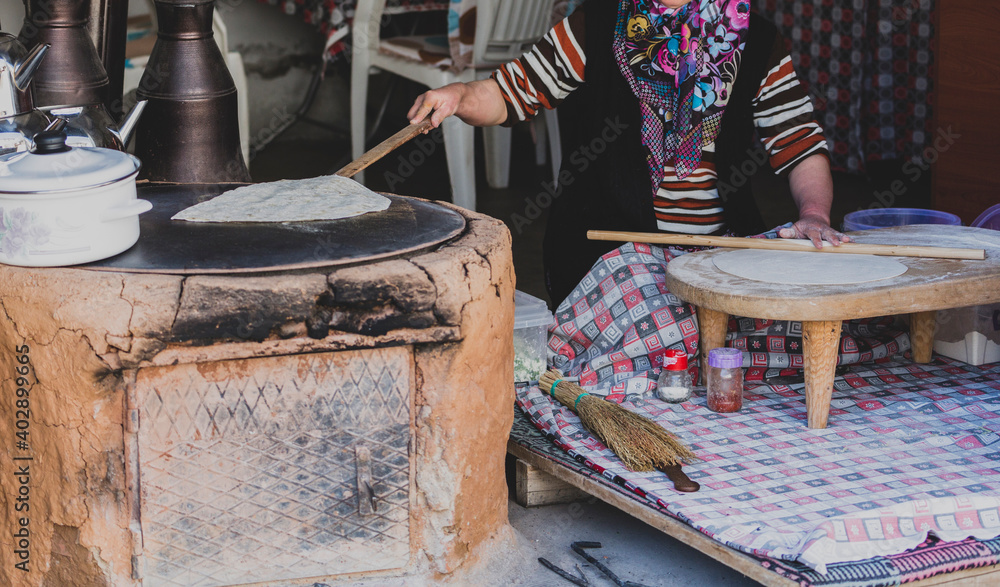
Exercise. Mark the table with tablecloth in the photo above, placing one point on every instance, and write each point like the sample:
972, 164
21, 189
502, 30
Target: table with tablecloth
333, 18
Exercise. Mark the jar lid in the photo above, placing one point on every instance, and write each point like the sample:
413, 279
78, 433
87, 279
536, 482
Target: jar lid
676, 360
54, 167
725, 358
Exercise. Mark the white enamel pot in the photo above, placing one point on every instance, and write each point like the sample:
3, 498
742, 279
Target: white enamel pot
65, 206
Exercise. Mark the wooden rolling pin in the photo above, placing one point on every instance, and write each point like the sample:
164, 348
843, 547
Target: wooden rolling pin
787, 245
385, 147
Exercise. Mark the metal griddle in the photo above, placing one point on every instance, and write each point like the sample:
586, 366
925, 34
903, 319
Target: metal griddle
181, 247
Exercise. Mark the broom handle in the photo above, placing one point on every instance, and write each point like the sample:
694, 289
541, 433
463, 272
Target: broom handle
787, 245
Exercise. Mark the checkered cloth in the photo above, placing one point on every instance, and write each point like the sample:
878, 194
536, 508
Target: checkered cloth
615, 327
931, 558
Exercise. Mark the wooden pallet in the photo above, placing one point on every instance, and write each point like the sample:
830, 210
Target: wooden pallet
534, 487
749, 566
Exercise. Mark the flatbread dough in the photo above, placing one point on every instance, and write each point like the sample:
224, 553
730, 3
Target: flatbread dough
330, 197
805, 268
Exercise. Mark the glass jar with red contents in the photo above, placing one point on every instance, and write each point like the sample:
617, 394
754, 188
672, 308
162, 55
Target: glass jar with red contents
725, 380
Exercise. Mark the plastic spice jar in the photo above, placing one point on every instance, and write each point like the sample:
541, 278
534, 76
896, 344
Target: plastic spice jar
725, 380
674, 384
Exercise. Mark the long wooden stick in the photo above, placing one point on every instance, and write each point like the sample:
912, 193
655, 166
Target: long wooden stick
384, 148
787, 245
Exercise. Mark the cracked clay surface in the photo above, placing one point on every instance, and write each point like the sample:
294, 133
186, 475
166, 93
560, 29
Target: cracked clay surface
88, 333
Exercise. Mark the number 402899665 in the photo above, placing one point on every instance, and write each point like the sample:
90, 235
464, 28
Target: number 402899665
22, 403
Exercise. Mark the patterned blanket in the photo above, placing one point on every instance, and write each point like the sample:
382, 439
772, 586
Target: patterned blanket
908, 452
931, 558
912, 450
616, 326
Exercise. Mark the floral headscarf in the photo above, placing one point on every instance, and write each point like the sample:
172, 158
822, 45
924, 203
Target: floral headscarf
680, 64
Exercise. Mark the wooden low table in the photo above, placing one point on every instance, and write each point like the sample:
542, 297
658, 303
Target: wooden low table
927, 286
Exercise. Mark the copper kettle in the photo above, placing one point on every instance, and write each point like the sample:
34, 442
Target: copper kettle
73, 72
190, 133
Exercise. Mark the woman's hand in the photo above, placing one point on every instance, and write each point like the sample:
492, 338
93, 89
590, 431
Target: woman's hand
478, 103
817, 229
812, 189
439, 104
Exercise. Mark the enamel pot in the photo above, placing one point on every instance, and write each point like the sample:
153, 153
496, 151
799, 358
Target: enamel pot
63, 206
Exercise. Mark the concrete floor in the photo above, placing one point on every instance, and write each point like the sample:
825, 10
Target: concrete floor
630, 548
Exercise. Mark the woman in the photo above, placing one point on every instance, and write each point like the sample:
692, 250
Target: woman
665, 97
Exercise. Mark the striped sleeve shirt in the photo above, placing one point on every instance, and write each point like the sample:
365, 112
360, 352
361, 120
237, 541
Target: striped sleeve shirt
783, 117
548, 73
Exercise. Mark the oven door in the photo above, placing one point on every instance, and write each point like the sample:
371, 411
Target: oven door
275, 468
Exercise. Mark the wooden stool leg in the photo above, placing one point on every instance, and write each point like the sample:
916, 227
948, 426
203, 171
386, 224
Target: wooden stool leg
712, 326
820, 343
922, 335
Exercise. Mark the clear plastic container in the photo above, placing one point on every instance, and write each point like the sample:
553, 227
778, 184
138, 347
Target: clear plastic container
970, 335
886, 217
725, 380
531, 325
674, 383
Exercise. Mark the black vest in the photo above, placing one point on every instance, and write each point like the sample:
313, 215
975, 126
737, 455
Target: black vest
605, 177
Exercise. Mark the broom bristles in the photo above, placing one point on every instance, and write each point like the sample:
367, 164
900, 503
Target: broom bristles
641, 444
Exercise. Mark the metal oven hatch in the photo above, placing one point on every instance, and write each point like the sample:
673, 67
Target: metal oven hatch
275, 468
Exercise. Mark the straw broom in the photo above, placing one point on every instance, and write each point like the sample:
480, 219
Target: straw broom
641, 444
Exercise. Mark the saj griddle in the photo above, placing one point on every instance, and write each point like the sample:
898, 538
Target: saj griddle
180, 247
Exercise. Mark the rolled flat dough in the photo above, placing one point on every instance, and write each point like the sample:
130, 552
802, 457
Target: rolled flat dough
802, 268
328, 197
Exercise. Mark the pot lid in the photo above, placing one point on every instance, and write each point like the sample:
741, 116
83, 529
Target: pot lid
54, 167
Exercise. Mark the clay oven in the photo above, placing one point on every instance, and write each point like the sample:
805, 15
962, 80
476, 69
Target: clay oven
217, 430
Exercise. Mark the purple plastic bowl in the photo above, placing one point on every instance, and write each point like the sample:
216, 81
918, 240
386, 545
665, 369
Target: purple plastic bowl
989, 219
886, 217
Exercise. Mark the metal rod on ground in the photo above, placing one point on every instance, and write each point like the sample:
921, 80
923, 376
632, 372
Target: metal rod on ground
574, 580
578, 547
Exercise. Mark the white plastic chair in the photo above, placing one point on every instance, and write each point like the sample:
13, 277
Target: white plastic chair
505, 29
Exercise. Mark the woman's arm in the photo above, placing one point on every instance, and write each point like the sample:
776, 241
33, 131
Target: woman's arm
477, 103
541, 78
812, 189
786, 123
